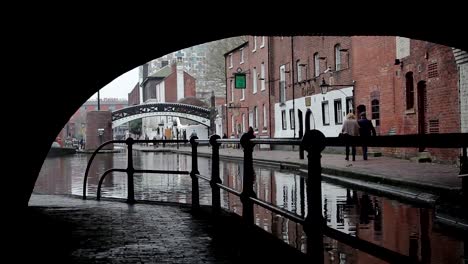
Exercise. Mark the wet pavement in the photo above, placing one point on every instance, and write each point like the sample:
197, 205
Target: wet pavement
433, 177
71, 230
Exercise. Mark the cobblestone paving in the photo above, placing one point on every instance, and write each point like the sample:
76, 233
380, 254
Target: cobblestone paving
115, 232
61, 229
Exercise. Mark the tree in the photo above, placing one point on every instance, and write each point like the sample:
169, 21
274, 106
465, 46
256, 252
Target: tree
135, 126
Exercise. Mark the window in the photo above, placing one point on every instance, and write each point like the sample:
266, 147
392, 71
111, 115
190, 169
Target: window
375, 104
230, 60
349, 105
243, 123
254, 80
338, 112
282, 83
291, 118
264, 117
263, 42
254, 44
283, 119
255, 122
233, 125
409, 91
325, 114
337, 57
316, 65
241, 56
262, 76
232, 91
299, 71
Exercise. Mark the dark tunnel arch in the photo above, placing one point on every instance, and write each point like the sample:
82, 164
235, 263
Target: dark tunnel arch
93, 64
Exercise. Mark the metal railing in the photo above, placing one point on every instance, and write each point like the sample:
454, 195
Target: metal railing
130, 170
313, 142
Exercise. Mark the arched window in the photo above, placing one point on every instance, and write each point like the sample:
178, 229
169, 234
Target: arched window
409, 91
375, 104
337, 57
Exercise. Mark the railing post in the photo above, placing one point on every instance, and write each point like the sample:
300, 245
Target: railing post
195, 191
307, 128
215, 191
248, 180
130, 172
464, 171
314, 142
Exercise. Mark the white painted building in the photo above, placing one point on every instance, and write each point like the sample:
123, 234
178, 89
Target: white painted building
328, 113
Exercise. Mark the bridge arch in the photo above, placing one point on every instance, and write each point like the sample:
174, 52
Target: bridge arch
198, 114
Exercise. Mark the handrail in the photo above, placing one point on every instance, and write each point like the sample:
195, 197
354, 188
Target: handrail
313, 142
85, 180
130, 170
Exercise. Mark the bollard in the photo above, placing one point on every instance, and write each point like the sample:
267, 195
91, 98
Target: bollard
130, 172
248, 179
314, 143
215, 179
195, 191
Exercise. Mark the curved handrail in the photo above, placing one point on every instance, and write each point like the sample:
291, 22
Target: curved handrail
101, 180
85, 181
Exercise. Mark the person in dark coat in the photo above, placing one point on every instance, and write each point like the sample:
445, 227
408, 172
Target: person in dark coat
366, 130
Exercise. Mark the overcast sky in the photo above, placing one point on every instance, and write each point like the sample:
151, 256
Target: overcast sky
120, 87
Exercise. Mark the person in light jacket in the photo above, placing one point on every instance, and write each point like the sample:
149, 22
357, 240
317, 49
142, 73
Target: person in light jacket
350, 129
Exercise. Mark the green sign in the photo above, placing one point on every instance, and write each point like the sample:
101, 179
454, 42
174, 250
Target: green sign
239, 80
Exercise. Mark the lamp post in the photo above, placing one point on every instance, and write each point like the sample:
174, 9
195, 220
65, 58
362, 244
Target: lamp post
325, 87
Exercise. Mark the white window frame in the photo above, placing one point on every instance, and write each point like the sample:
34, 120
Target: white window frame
292, 119
263, 42
233, 125
265, 120
243, 94
283, 79
254, 44
326, 113
299, 71
232, 91
230, 61
241, 56
284, 121
256, 117
337, 57
254, 80
243, 122
316, 65
262, 76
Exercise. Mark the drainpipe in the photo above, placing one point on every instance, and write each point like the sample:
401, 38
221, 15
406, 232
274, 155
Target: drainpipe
270, 54
292, 72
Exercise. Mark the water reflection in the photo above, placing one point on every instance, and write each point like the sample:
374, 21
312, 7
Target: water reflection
399, 227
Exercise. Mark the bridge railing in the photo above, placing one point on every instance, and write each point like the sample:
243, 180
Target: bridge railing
313, 142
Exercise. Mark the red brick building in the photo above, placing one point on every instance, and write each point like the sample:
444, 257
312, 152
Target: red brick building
408, 87
298, 67
169, 84
249, 106
134, 95
75, 128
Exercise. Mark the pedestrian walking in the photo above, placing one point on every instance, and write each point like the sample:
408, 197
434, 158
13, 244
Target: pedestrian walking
349, 129
366, 130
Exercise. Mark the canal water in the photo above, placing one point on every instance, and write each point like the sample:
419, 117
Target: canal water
398, 226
